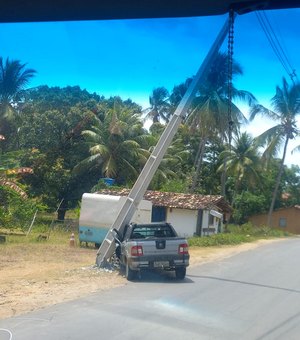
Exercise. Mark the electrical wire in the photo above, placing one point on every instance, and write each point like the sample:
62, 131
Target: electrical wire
277, 40
275, 43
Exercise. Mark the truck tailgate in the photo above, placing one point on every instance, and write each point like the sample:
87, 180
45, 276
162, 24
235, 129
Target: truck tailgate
164, 246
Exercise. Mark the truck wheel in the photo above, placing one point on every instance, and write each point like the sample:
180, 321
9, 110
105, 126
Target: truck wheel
180, 273
129, 273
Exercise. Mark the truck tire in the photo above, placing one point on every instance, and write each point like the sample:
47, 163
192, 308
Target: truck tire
129, 273
180, 273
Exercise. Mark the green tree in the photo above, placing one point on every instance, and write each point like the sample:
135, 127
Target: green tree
11, 171
248, 203
176, 162
209, 181
177, 94
291, 188
15, 206
209, 114
14, 77
159, 105
115, 144
52, 122
286, 108
243, 163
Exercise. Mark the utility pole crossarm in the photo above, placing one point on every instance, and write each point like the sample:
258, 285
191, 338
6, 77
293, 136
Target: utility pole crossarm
137, 192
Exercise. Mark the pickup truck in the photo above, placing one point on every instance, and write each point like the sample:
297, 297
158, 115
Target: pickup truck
151, 246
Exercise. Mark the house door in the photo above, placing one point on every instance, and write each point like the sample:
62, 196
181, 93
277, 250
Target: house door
199, 223
159, 214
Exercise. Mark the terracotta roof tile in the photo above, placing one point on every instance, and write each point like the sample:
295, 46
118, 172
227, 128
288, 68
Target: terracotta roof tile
178, 200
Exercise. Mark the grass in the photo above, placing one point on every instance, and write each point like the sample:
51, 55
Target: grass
44, 229
219, 239
39, 235
237, 235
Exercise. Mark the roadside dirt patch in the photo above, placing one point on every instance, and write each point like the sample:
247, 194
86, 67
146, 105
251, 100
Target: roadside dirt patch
33, 276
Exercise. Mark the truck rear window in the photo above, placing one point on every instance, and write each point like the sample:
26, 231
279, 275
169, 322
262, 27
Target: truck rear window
152, 231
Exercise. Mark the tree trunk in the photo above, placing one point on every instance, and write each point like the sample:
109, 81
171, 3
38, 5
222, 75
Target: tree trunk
199, 161
223, 178
236, 189
277, 183
62, 209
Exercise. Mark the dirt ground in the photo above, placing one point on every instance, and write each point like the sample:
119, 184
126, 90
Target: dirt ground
33, 276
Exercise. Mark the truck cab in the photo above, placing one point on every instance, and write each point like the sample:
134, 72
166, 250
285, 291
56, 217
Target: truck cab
152, 246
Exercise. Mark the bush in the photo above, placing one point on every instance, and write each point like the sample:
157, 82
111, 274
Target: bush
220, 239
237, 234
247, 204
17, 212
250, 229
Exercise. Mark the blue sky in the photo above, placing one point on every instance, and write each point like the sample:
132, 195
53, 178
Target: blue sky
131, 57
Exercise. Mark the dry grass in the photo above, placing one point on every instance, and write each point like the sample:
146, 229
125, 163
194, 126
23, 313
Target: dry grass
37, 274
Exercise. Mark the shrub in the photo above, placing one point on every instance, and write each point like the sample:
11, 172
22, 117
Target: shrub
17, 212
261, 231
237, 234
220, 239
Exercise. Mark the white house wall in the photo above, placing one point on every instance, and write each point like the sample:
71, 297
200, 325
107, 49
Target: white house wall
183, 220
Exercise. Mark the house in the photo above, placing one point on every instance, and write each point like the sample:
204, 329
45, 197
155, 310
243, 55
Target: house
287, 219
190, 214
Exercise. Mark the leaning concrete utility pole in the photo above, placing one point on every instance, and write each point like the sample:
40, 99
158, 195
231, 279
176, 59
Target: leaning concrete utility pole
137, 192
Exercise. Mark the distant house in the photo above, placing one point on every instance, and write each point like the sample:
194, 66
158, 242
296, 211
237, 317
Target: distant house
190, 214
287, 219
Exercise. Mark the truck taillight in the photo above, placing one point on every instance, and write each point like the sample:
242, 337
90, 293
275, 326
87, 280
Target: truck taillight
183, 249
137, 251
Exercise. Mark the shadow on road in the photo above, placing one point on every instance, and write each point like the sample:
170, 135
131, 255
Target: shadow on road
245, 283
160, 277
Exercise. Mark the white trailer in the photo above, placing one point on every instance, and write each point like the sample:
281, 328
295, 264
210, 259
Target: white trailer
98, 213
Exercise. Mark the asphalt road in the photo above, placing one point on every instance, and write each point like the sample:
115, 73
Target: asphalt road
252, 295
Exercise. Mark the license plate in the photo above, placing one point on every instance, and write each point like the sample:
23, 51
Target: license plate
160, 264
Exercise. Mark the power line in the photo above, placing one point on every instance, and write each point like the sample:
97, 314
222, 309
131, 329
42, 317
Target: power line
271, 41
276, 39
275, 44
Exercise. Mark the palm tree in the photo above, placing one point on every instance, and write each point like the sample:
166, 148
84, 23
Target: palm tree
210, 109
177, 94
243, 162
173, 162
14, 77
113, 145
10, 172
286, 108
159, 105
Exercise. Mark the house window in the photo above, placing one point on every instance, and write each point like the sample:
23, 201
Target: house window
282, 222
211, 220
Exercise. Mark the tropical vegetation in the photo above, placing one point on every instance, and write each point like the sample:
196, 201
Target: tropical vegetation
286, 108
58, 142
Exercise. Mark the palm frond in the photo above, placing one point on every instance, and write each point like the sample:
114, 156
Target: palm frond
244, 96
87, 163
13, 186
110, 167
268, 135
263, 111
100, 149
296, 149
